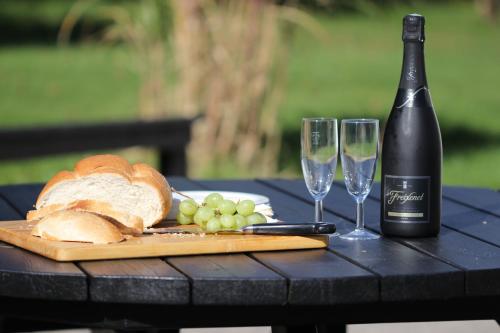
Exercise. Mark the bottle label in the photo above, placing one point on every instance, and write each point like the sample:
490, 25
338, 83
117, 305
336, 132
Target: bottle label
406, 199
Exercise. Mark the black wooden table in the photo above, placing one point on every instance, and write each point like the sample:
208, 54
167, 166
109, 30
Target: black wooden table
455, 276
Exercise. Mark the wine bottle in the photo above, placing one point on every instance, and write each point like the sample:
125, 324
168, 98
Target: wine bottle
412, 148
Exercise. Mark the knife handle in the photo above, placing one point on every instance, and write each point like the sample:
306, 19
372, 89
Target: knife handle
296, 229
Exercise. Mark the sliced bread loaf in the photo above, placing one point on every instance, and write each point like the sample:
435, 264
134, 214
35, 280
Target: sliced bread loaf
137, 196
75, 226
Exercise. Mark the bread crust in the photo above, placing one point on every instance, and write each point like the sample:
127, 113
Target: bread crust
94, 164
91, 164
109, 164
147, 174
128, 224
77, 226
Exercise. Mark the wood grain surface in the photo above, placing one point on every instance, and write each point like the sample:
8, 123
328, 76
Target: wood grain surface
18, 233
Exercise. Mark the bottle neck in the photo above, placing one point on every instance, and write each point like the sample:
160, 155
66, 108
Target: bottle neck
413, 71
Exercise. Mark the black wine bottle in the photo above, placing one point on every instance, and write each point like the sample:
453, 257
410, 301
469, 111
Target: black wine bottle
412, 148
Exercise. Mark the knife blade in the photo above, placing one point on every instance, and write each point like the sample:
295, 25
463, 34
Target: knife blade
278, 228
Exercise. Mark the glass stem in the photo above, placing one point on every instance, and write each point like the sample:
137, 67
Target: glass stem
360, 217
318, 211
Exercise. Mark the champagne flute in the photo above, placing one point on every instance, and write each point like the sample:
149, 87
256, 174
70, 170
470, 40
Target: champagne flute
359, 151
319, 150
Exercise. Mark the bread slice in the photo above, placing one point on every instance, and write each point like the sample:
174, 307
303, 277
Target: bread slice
137, 196
128, 224
76, 226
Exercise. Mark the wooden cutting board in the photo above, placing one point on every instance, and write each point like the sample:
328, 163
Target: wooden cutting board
18, 233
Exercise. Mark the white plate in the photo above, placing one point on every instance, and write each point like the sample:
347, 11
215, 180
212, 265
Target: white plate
198, 196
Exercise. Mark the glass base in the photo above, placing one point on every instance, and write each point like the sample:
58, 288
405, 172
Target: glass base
360, 234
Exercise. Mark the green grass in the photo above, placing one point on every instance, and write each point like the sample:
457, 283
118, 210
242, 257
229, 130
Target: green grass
48, 85
355, 75
48, 12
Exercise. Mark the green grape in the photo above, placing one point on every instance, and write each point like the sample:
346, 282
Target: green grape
213, 225
197, 219
241, 221
188, 207
227, 207
256, 218
184, 219
213, 199
228, 222
245, 207
203, 215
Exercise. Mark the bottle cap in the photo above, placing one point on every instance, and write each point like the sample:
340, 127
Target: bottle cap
413, 28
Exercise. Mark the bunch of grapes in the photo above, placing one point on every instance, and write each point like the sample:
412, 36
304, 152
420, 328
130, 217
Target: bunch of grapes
218, 214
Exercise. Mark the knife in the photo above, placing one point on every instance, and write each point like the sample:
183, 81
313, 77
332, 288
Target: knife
279, 228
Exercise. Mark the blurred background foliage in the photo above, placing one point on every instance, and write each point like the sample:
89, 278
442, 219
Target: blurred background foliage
254, 68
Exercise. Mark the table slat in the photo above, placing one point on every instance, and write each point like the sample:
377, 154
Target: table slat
21, 197
234, 279
7, 212
442, 280
319, 277
149, 281
471, 221
481, 198
27, 275
464, 218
